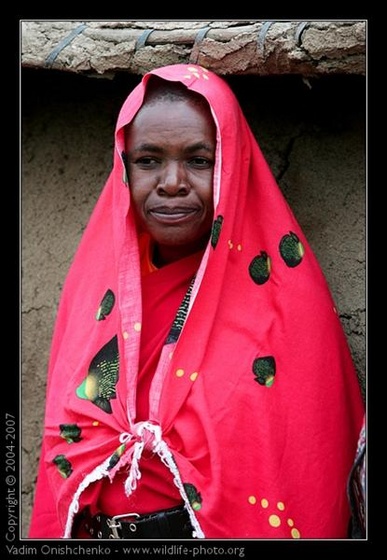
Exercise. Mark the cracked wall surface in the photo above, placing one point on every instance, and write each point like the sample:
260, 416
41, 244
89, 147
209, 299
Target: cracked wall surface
306, 48
312, 133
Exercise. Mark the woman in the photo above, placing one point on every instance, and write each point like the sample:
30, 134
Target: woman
200, 384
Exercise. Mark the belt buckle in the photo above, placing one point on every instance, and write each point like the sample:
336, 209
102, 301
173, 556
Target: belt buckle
114, 524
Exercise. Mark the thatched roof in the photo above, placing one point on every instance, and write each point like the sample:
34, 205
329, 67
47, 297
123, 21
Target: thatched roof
308, 48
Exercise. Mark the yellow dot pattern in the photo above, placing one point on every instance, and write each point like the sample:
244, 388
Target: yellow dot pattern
180, 373
198, 72
295, 534
232, 245
125, 335
275, 519
95, 423
137, 327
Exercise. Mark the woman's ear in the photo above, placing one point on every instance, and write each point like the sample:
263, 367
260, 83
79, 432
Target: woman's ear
124, 157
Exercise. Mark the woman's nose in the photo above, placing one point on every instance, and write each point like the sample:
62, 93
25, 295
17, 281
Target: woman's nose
173, 180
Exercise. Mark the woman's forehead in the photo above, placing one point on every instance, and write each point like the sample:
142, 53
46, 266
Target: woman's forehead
174, 119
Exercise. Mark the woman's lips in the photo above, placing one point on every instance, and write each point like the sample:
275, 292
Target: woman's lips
176, 214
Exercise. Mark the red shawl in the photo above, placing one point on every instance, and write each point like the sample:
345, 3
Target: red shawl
254, 408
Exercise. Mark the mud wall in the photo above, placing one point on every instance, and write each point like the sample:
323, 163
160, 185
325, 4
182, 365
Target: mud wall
312, 132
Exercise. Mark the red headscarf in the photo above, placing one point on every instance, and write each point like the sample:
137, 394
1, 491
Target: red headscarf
256, 408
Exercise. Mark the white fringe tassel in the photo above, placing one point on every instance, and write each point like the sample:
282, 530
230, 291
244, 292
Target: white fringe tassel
99, 472
162, 450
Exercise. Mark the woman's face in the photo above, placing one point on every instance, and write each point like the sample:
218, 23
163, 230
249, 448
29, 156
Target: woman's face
171, 154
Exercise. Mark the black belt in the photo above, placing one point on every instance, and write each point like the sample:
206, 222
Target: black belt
167, 524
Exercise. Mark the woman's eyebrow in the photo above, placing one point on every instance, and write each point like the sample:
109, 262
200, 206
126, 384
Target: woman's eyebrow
200, 146
154, 148
146, 147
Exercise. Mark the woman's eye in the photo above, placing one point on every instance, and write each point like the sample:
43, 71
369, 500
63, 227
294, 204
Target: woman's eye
201, 162
145, 161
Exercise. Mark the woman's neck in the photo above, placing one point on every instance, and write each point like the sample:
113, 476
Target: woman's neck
166, 254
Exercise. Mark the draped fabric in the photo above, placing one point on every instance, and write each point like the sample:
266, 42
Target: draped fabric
253, 408
357, 488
